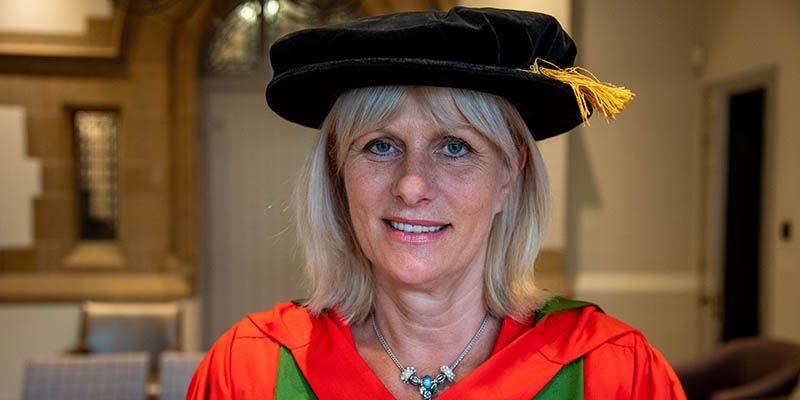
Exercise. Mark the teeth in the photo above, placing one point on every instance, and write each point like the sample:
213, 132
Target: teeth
415, 228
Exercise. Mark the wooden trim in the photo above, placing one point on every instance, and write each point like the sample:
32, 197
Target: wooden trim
78, 286
680, 279
95, 254
102, 39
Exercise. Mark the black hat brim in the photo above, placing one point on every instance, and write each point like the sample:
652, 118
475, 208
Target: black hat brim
305, 95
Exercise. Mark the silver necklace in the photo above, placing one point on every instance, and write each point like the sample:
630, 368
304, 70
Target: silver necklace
429, 385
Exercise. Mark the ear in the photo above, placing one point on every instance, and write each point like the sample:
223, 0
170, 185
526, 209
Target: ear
511, 175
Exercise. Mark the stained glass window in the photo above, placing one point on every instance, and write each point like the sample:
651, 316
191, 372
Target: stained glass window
96, 150
235, 46
242, 41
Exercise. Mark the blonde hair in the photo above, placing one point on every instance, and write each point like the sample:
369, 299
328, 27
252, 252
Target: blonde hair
339, 275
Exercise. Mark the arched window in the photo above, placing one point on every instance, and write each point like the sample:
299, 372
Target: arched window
240, 43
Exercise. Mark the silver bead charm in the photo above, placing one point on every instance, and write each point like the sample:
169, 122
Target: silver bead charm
448, 373
407, 373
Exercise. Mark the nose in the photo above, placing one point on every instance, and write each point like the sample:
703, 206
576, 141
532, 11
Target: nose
414, 185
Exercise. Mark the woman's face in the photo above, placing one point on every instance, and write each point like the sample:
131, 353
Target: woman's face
422, 199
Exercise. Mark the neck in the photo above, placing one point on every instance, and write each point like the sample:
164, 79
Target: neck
425, 317
428, 328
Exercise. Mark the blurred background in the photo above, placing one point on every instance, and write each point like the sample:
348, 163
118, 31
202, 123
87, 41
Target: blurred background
141, 170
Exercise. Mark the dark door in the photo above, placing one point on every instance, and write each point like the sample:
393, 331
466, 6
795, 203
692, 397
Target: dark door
743, 212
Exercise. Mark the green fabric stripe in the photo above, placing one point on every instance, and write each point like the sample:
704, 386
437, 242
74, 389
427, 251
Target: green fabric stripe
568, 382
557, 304
290, 383
566, 385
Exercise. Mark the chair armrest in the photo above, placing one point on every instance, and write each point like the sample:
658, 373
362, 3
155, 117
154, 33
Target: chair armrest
777, 384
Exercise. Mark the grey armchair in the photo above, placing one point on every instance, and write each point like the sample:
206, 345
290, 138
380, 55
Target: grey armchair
120, 376
747, 368
123, 327
176, 372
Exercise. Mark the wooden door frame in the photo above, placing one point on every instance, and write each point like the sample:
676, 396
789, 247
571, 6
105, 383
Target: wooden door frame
715, 170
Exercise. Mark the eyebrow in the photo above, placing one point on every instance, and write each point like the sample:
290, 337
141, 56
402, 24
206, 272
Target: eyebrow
440, 132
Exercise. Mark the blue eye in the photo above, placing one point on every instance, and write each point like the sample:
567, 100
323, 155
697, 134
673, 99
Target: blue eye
380, 147
455, 149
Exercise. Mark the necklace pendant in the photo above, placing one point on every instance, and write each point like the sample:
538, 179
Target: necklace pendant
427, 382
427, 387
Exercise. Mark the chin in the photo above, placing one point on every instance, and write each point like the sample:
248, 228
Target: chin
409, 274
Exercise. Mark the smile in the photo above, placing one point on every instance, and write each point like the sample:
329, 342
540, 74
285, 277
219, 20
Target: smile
410, 228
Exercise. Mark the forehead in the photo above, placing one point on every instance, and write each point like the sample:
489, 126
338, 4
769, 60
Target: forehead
368, 109
417, 113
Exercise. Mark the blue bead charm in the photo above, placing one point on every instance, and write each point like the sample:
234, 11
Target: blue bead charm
428, 385
427, 382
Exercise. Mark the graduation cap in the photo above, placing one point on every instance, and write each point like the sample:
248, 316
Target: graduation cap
524, 57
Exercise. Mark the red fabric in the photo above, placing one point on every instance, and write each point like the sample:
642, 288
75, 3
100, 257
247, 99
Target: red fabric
618, 363
242, 364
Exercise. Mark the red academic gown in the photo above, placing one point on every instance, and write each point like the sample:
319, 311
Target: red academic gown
618, 363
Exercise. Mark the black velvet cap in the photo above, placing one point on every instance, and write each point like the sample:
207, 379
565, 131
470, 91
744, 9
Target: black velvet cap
488, 50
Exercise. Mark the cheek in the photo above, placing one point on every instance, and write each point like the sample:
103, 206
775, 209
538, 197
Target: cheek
356, 194
475, 192
363, 187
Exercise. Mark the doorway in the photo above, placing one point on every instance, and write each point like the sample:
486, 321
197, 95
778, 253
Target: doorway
740, 294
737, 177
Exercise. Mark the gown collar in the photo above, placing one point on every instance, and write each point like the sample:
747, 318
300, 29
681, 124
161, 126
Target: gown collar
325, 352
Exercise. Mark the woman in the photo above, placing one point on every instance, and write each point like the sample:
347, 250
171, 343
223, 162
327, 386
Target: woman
420, 214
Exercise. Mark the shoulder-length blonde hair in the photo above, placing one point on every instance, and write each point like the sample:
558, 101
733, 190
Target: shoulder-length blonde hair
339, 275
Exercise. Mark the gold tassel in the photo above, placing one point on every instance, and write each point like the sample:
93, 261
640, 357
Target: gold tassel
604, 97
